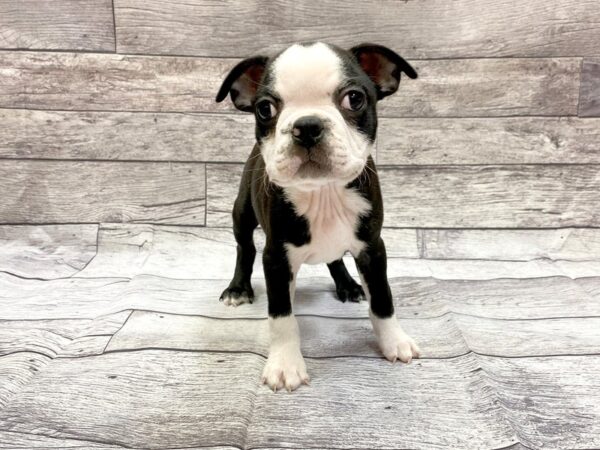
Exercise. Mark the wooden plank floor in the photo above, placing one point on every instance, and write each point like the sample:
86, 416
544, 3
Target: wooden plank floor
111, 336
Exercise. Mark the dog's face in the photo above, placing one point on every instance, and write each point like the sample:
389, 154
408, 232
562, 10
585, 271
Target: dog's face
315, 108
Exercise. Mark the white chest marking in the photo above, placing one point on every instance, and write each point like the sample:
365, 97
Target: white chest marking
333, 213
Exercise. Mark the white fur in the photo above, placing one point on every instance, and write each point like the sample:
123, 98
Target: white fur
285, 367
393, 341
231, 301
306, 77
332, 212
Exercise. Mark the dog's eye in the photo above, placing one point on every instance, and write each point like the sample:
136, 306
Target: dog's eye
353, 100
265, 110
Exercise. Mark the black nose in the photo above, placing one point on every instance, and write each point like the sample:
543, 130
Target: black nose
308, 131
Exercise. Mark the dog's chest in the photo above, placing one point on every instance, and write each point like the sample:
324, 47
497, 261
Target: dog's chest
333, 213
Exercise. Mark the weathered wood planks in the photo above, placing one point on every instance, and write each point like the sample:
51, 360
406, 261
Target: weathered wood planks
589, 94
126, 136
474, 87
85, 81
49, 251
62, 337
573, 244
321, 337
460, 197
101, 191
113, 392
431, 29
229, 138
84, 298
487, 87
523, 140
133, 249
197, 383
30, 440
16, 371
553, 402
55, 24
10, 439
491, 196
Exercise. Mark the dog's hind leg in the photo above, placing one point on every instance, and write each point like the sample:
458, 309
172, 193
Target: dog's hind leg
345, 286
244, 223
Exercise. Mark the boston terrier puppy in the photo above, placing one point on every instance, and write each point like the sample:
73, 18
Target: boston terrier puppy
311, 184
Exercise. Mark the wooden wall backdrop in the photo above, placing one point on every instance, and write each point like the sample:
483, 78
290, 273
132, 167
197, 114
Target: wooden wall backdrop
107, 115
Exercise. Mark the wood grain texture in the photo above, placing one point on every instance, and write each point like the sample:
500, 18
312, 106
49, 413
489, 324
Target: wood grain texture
432, 29
229, 138
209, 252
11, 440
126, 136
459, 197
523, 397
110, 82
491, 196
477, 87
391, 412
553, 297
47, 251
574, 244
55, 24
488, 87
16, 371
321, 337
45, 337
91, 405
59, 337
128, 250
524, 140
553, 402
222, 185
52, 191
589, 94
196, 385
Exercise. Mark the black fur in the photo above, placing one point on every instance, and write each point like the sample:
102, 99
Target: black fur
262, 202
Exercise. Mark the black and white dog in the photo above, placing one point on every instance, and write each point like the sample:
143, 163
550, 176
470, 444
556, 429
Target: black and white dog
311, 184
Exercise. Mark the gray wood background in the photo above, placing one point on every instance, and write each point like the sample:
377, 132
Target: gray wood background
118, 173
107, 112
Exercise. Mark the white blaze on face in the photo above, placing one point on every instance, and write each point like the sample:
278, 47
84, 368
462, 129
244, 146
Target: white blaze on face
307, 79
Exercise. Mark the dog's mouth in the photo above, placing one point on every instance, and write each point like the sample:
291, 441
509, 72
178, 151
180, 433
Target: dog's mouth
312, 163
312, 169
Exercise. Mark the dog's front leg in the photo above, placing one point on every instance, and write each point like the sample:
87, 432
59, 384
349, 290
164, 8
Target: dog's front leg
393, 341
285, 365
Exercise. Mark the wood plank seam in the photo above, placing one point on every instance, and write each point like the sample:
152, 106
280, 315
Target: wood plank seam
116, 332
378, 357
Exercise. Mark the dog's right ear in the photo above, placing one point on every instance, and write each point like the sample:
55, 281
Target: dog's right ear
242, 82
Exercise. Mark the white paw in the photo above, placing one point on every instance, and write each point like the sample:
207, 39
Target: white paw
229, 300
393, 341
399, 346
285, 370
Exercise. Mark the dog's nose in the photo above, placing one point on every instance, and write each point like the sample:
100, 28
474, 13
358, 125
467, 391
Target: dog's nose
308, 131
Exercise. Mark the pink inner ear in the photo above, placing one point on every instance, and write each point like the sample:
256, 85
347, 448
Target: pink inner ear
373, 66
252, 78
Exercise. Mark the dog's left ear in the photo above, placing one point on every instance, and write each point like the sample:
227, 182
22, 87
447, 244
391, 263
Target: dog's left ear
242, 83
383, 66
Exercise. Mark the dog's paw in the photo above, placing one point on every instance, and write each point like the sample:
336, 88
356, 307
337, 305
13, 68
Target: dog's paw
237, 295
350, 291
394, 342
285, 370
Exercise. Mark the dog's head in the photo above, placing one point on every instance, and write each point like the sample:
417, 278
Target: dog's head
315, 108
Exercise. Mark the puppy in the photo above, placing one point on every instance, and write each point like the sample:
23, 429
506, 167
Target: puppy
311, 184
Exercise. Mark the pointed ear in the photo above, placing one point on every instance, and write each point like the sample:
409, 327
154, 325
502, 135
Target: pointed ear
242, 82
383, 66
